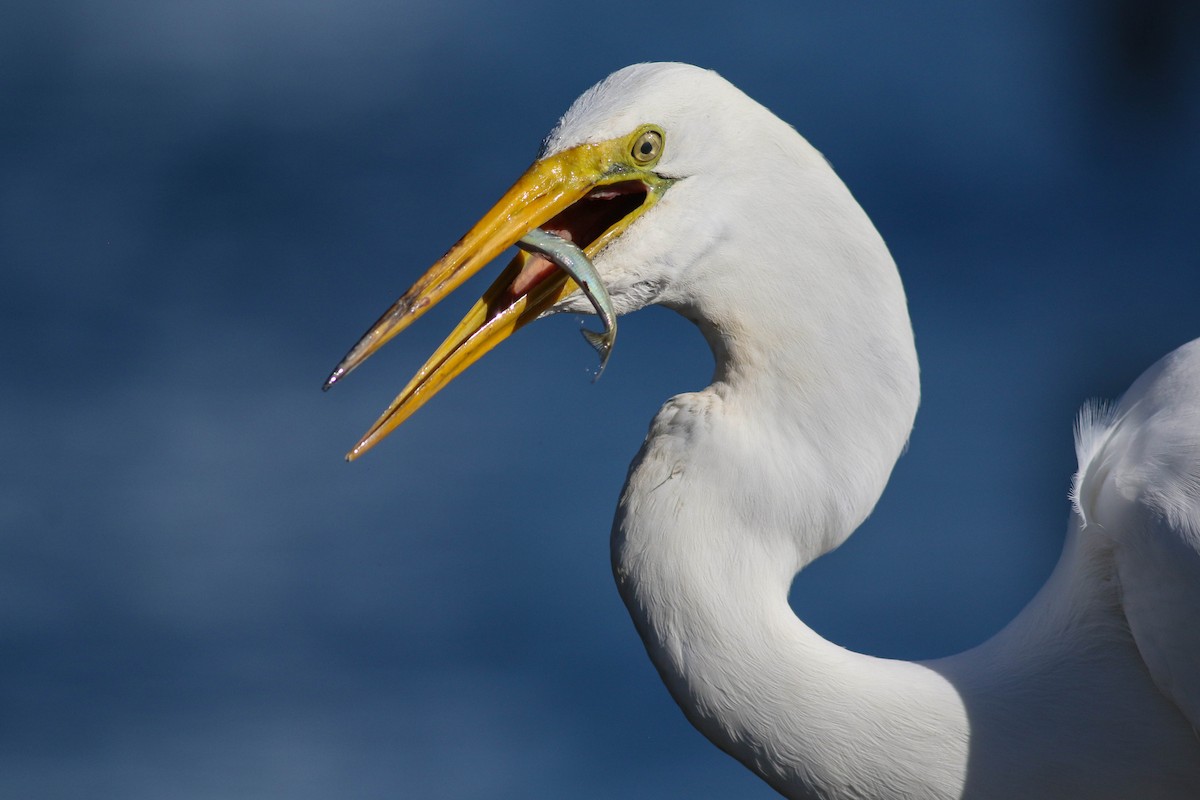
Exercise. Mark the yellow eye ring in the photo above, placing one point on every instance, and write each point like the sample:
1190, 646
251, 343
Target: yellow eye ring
647, 147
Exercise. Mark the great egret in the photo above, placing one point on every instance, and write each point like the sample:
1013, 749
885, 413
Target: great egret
689, 194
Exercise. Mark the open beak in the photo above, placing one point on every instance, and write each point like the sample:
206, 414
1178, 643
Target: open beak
588, 194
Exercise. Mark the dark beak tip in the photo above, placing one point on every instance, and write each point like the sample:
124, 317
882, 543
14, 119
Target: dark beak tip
333, 378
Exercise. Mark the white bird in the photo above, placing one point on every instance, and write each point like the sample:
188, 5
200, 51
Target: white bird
689, 194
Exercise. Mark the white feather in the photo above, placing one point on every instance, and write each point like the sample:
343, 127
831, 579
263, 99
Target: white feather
1091, 692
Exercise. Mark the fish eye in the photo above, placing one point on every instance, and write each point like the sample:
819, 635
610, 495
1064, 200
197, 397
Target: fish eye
647, 147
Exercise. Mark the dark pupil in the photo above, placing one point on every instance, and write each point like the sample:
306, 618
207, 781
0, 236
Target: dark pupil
647, 148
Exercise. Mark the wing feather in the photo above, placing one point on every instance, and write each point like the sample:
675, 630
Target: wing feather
1139, 485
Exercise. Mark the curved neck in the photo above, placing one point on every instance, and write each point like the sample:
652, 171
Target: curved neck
738, 487
704, 569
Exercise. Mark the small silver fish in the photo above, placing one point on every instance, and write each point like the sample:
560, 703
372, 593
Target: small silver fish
573, 261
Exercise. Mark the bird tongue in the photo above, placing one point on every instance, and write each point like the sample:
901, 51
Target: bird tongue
536, 268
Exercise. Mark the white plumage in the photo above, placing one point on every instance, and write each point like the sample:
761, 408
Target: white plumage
1093, 691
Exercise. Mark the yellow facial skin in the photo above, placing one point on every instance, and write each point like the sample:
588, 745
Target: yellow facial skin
549, 187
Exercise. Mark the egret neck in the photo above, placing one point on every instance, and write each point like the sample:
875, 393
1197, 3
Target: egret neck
739, 486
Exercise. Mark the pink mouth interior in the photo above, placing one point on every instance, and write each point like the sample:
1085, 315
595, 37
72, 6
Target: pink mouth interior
581, 223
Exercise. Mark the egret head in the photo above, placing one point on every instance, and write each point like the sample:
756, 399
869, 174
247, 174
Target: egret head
655, 172
602, 169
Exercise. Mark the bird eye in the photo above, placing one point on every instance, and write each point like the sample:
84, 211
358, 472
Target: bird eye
647, 147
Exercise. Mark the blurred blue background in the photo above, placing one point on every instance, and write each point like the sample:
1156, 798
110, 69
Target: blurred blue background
203, 204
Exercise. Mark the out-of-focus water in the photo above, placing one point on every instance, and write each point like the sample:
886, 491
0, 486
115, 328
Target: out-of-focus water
203, 204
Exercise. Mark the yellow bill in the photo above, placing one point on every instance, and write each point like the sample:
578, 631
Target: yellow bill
588, 194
